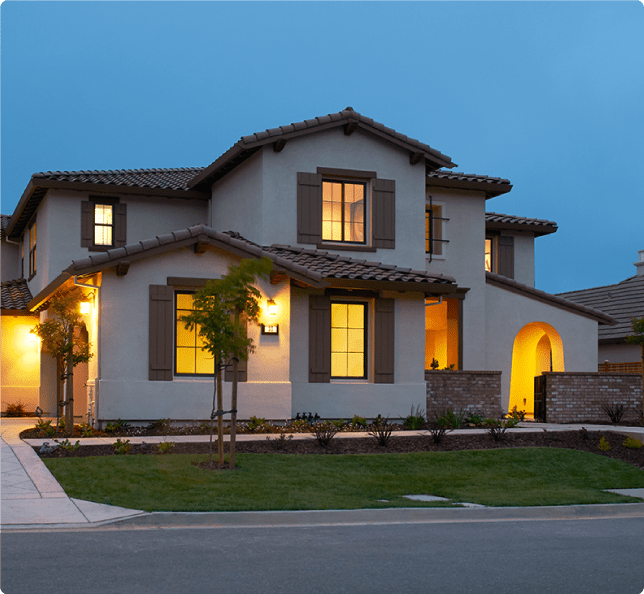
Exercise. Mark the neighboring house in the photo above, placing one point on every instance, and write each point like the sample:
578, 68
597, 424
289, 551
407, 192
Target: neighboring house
367, 294
623, 301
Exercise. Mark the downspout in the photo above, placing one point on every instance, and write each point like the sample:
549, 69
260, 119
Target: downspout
98, 341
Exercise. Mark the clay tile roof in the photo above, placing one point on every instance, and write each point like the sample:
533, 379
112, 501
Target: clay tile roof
167, 179
622, 301
492, 186
458, 175
15, 294
555, 300
332, 266
494, 220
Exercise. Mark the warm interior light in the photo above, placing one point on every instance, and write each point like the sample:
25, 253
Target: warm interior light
84, 307
271, 306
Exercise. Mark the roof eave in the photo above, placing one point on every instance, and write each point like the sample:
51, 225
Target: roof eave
491, 189
538, 230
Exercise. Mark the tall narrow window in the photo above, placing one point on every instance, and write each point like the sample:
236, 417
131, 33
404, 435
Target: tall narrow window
190, 358
343, 211
104, 224
489, 254
32, 249
348, 340
434, 230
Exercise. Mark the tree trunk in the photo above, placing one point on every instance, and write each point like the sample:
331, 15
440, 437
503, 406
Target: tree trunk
69, 392
60, 370
233, 400
220, 419
214, 408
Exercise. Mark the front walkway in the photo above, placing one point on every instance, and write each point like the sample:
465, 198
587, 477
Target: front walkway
32, 498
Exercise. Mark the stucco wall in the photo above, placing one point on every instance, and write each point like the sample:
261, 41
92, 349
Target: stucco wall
619, 353
261, 199
523, 257
59, 227
124, 390
342, 398
507, 313
10, 260
20, 362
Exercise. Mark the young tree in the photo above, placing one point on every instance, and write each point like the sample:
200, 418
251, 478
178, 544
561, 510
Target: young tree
638, 338
221, 311
62, 339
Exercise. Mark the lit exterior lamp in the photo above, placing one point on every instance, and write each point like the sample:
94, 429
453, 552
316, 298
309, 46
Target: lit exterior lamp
271, 307
86, 305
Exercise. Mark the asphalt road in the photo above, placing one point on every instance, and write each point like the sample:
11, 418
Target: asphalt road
605, 556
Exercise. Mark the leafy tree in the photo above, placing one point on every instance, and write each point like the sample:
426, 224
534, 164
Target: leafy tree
62, 338
638, 338
221, 312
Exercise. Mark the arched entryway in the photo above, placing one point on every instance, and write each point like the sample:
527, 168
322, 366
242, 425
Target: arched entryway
537, 348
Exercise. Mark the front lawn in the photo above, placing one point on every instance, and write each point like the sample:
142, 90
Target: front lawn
507, 477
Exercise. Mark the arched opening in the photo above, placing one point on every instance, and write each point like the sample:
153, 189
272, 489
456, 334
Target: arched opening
537, 348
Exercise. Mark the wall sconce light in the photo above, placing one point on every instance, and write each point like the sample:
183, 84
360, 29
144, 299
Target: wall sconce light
271, 307
85, 305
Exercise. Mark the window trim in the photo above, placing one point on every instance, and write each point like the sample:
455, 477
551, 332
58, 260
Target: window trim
32, 251
493, 238
429, 230
366, 334
365, 216
88, 236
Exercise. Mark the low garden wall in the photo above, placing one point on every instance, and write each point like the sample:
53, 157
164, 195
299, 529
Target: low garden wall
579, 397
471, 391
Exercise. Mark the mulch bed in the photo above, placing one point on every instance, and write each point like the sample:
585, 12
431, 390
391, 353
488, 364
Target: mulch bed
578, 440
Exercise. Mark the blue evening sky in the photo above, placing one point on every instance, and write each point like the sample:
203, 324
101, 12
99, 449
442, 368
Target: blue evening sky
547, 94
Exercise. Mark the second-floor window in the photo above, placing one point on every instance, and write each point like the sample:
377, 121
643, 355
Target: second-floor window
32, 249
489, 255
434, 229
343, 211
104, 224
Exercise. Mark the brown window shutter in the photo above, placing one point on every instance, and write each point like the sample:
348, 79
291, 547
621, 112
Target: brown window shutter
87, 224
242, 369
309, 208
384, 341
506, 256
384, 213
120, 224
161, 332
319, 339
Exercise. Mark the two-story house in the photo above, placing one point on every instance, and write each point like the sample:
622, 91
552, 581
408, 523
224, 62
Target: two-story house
385, 263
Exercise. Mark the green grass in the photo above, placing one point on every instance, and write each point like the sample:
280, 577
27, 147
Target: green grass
504, 477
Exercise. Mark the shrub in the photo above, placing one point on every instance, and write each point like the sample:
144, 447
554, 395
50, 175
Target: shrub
451, 419
67, 445
358, 422
437, 430
496, 428
604, 446
279, 443
162, 425
380, 430
45, 427
300, 425
519, 415
15, 410
583, 433
257, 425
632, 443
165, 446
324, 432
614, 410
415, 419
117, 426
86, 430
121, 446
339, 423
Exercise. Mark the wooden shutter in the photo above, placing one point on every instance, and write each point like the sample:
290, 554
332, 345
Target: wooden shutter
319, 339
120, 224
384, 213
161, 332
87, 224
506, 256
242, 368
309, 208
384, 341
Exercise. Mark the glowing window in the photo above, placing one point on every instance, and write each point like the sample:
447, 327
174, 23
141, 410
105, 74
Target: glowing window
32, 249
190, 357
489, 254
348, 340
103, 224
343, 211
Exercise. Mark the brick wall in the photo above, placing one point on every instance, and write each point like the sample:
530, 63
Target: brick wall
578, 397
472, 391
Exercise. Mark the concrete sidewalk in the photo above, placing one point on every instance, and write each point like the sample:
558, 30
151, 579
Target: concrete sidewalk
33, 499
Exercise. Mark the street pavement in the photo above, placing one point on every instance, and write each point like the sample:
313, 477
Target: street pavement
32, 499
